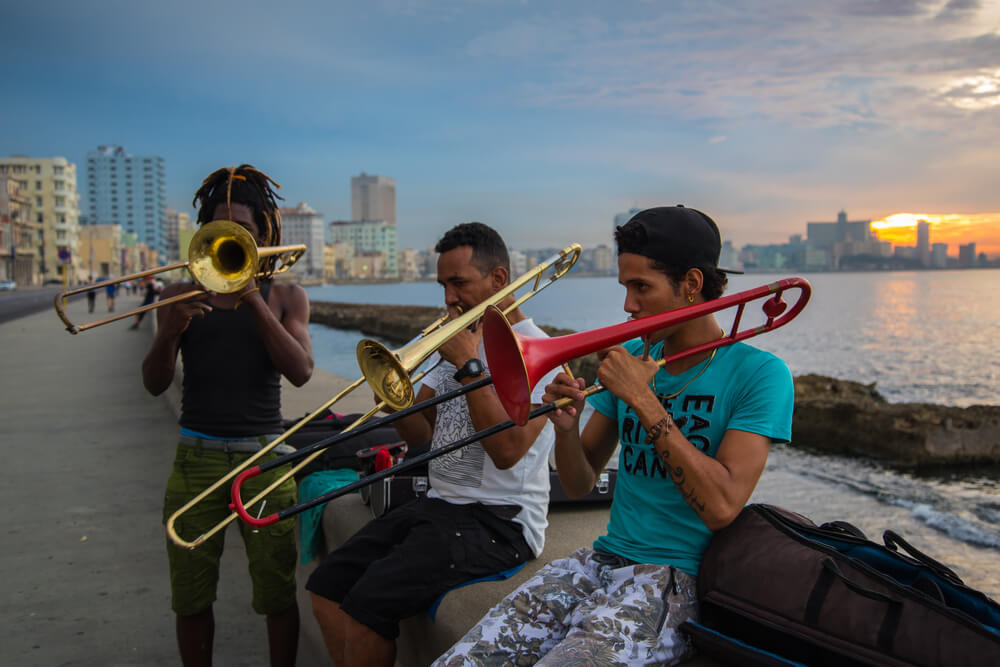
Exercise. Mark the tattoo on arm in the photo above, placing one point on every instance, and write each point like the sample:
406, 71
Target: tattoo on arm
677, 475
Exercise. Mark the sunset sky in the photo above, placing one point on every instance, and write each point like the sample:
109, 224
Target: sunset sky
540, 117
953, 229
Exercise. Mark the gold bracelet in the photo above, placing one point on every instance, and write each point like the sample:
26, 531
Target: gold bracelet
654, 432
244, 295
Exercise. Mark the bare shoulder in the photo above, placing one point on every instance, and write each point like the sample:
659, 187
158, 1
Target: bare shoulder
289, 293
290, 300
289, 289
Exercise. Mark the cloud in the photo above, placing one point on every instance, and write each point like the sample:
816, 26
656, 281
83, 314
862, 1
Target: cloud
718, 139
888, 8
824, 68
956, 10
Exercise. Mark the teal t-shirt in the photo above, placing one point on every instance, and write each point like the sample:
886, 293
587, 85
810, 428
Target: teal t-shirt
743, 388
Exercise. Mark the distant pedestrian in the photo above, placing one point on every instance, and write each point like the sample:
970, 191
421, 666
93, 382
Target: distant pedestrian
91, 300
153, 288
110, 291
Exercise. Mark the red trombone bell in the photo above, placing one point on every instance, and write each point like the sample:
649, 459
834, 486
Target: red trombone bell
518, 362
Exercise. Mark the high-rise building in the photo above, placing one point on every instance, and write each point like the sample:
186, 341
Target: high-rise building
304, 225
373, 199
50, 184
129, 191
967, 255
939, 255
367, 237
176, 223
924, 242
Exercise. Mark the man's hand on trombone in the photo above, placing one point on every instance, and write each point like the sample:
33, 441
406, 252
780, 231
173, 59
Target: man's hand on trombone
174, 318
464, 345
565, 419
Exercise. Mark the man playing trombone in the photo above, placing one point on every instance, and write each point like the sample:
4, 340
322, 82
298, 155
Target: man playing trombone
486, 508
694, 439
235, 347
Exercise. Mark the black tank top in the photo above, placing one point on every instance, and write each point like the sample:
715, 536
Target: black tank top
231, 388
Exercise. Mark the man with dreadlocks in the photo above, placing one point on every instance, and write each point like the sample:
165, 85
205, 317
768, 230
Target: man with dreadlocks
234, 347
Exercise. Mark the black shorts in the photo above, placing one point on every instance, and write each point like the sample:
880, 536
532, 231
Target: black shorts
399, 563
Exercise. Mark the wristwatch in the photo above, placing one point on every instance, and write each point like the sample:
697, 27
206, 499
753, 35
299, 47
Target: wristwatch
471, 369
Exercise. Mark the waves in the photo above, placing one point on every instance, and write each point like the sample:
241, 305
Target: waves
972, 531
965, 508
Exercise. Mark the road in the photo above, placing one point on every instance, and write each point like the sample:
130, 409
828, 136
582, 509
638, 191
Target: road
21, 302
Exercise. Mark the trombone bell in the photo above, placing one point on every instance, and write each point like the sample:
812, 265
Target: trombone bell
386, 374
222, 257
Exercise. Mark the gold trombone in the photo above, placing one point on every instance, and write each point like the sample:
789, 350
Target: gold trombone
222, 257
394, 371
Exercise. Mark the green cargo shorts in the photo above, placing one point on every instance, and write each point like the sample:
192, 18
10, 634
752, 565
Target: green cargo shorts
194, 573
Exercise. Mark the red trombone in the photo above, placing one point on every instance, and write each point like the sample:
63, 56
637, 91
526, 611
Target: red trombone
526, 360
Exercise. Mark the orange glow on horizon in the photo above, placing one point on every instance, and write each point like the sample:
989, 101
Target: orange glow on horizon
955, 229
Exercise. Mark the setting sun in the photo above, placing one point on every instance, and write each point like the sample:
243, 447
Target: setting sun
955, 229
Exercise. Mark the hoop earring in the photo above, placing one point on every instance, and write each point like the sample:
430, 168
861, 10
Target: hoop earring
690, 298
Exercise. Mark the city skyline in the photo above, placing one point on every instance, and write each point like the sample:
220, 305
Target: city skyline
544, 121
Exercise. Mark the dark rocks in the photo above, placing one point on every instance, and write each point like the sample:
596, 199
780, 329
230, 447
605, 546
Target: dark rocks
850, 418
395, 324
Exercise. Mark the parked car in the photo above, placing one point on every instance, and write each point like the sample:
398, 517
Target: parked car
7, 285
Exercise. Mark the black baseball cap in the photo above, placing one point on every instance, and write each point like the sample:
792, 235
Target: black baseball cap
679, 236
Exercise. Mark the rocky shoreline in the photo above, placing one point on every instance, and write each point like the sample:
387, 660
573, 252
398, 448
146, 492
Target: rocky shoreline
831, 415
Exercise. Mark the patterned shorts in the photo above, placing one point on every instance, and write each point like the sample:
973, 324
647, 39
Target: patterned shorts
590, 608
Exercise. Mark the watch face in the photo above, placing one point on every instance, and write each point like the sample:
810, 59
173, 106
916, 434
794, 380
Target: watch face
472, 368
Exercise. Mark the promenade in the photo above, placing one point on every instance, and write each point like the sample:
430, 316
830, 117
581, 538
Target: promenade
87, 452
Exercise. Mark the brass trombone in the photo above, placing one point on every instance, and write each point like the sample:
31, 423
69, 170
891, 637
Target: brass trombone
222, 257
396, 369
387, 372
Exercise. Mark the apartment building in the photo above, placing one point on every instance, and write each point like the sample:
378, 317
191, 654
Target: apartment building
49, 184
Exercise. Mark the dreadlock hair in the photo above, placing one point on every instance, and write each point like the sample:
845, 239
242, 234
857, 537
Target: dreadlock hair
631, 238
248, 186
488, 249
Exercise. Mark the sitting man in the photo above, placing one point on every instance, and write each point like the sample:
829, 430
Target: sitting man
487, 505
694, 440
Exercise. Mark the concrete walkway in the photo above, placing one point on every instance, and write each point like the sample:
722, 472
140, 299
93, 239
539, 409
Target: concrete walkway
87, 453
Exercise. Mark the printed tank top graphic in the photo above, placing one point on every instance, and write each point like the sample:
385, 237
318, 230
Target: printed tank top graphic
464, 466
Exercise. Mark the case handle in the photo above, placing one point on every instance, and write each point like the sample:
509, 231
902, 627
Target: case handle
893, 541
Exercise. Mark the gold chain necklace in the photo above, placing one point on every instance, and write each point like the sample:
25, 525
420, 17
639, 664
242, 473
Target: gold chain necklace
688, 383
